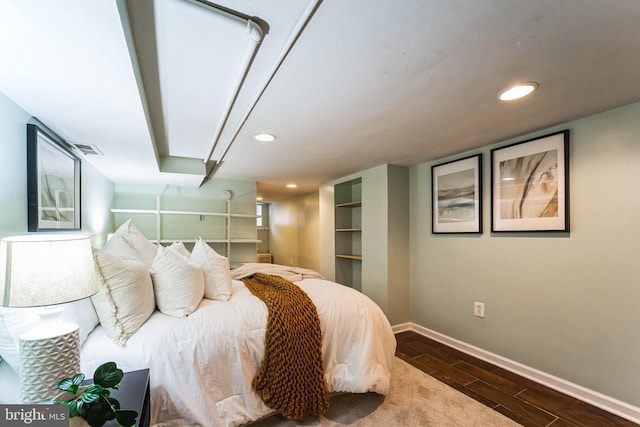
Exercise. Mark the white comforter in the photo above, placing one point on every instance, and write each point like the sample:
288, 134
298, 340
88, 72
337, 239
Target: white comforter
202, 366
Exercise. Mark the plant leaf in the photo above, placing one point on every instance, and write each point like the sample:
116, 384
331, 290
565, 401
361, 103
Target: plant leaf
80, 408
98, 413
71, 384
93, 402
114, 402
92, 393
73, 409
108, 375
126, 418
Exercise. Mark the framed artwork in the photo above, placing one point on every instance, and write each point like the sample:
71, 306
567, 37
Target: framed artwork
530, 185
53, 184
456, 196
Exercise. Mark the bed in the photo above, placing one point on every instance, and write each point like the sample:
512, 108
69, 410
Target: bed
202, 363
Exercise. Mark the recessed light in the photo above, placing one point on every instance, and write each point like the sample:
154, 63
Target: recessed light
264, 137
517, 91
291, 186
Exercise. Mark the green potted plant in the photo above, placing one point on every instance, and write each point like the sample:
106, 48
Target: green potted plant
93, 402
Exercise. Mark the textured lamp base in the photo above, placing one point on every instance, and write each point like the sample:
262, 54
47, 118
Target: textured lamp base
44, 362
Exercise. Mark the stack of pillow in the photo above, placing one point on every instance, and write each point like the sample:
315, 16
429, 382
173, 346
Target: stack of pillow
136, 276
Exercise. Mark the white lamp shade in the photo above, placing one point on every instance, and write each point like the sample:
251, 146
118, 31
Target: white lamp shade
46, 269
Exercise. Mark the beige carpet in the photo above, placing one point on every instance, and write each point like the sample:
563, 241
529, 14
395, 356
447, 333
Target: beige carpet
414, 399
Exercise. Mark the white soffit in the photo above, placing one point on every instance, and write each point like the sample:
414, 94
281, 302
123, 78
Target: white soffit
52, 52
203, 56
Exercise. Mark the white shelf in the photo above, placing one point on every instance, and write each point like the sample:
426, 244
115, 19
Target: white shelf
227, 215
193, 240
349, 256
355, 204
348, 233
166, 212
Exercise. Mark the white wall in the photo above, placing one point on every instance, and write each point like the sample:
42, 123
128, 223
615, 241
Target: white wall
294, 231
564, 304
13, 167
398, 229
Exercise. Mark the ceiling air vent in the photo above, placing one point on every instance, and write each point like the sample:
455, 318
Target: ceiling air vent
88, 150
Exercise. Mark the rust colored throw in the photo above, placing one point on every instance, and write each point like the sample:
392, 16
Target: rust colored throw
291, 378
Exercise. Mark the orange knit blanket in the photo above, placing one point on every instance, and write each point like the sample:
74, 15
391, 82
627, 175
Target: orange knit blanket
291, 378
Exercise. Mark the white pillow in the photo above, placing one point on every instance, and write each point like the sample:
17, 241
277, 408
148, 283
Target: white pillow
118, 246
83, 314
177, 282
217, 275
15, 321
180, 248
125, 296
127, 233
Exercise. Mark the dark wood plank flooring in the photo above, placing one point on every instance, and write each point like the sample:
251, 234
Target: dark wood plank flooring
518, 398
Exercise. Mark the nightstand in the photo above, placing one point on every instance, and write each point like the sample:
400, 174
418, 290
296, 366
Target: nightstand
133, 394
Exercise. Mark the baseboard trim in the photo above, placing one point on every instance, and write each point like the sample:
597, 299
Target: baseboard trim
609, 404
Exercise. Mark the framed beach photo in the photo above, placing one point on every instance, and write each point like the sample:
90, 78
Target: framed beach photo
530, 185
53, 184
456, 196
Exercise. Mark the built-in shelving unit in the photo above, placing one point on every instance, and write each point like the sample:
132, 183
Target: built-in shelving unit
348, 233
225, 231
364, 235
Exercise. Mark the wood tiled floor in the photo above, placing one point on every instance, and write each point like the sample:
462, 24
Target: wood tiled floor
518, 398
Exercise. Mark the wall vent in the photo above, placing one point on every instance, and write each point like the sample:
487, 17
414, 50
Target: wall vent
88, 150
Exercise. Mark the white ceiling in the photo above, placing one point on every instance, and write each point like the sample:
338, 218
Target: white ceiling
345, 85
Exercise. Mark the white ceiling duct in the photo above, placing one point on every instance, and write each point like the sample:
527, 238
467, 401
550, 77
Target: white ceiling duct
201, 65
193, 59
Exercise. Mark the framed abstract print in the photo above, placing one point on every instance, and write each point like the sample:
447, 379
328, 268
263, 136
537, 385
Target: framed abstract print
530, 185
456, 196
53, 183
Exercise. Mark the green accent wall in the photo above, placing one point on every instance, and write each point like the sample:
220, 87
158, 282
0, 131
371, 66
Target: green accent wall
565, 304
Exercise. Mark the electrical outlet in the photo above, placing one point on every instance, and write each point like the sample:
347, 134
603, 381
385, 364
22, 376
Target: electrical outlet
478, 309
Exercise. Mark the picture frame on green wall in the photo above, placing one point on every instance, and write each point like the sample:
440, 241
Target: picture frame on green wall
53, 184
530, 185
456, 196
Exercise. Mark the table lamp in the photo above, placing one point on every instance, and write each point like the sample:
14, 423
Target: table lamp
42, 270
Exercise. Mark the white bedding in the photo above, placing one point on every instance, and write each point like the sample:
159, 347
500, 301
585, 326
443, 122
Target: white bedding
202, 365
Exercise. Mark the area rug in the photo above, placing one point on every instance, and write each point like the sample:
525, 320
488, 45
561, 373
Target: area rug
414, 399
